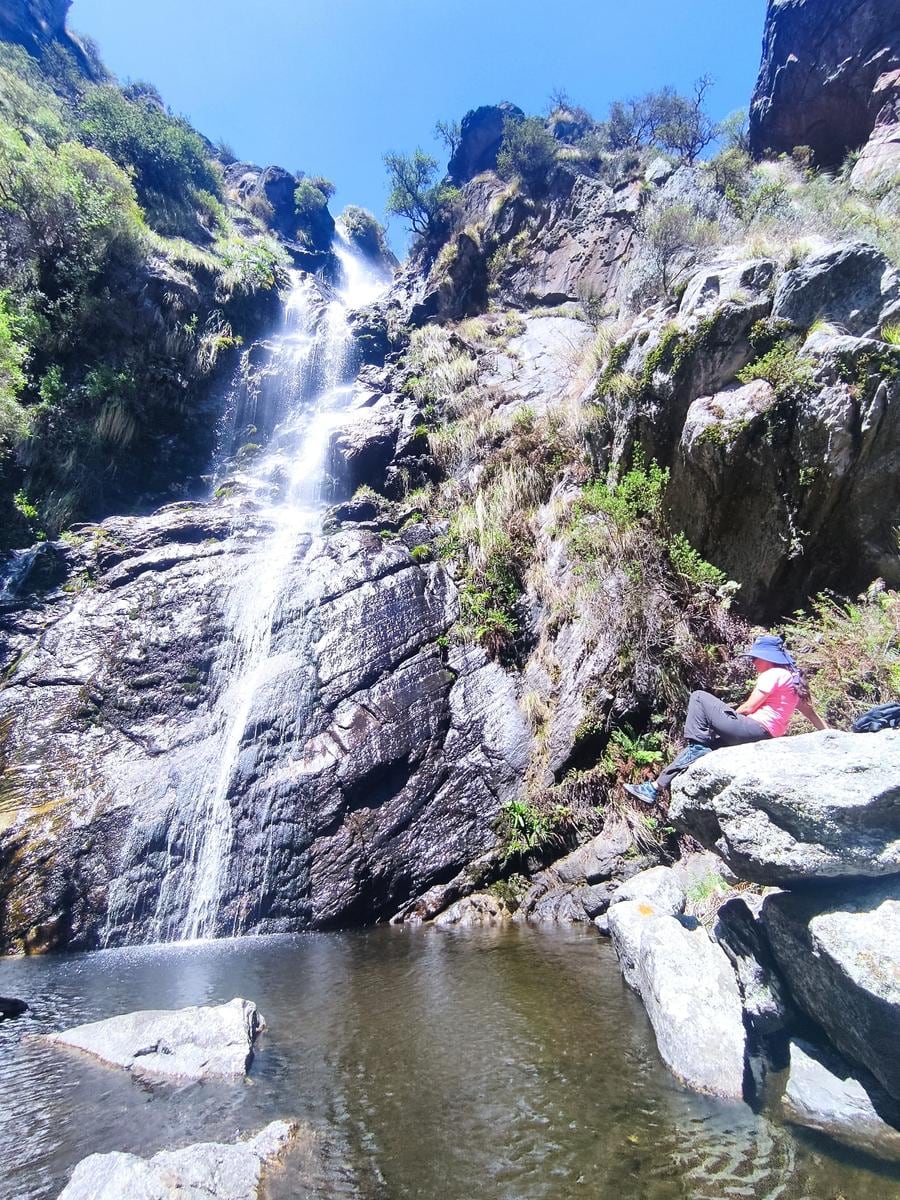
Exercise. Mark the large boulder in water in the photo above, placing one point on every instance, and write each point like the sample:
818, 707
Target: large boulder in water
690, 992
823, 1094
820, 82
839, 950
211, 1042
822, 805
213, 1170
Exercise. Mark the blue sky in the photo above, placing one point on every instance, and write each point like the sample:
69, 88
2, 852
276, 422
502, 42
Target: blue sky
327, 86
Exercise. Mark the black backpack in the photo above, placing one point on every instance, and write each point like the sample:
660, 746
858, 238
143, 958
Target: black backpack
882, 716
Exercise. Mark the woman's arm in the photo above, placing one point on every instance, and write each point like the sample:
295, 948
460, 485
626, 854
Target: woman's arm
806, 709
755, 700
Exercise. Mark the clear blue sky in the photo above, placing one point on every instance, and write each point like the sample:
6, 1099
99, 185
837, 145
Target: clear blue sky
326, 86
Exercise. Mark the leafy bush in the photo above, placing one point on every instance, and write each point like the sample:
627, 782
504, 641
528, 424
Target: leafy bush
850, 651
311, 196
168, 159
528, 150
673, 233
364, 230
789, 374
415, 195
524, 827
666, 119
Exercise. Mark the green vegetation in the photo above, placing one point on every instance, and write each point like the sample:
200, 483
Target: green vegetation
526, 828
528, 150
850, 652
784, 368
416, 193
365, 231
673, 123
109, 326
173, 174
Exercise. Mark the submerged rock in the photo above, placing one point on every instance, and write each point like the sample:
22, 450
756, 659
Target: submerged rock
822, 1094
10, 1008
839, 950
205, 1171
213, 1042
480, 909
822, 805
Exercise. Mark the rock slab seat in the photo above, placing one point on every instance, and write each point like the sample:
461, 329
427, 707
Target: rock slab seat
206, 1171
214, 1042
784, 812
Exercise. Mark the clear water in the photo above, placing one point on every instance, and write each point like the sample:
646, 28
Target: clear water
434, 1064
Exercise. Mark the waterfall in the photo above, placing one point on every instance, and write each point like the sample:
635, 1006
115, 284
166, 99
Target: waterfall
307, 388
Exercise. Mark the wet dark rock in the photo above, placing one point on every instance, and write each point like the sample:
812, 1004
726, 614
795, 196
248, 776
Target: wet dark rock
9, 1008
822, 1093
402, 754
792, 810
212, 1042
839, 949
363, 446
457, 285
549, 901
820, 82
850, 285
481, 132
213, 1170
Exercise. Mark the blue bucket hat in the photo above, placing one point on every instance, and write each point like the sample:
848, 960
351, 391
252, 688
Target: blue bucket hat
770, 648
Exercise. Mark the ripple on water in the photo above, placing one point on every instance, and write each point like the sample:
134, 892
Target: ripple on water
429, 1063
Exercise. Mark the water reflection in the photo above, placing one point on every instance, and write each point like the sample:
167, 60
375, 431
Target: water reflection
428, 1063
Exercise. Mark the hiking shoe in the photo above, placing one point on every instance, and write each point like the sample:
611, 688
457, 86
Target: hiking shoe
647, 792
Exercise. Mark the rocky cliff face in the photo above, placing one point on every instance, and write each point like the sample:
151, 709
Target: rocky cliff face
828, 81
374, 765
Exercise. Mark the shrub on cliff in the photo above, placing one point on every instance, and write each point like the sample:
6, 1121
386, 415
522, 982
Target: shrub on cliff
169, 161
528, 150
364, 230
415, 195
672, 122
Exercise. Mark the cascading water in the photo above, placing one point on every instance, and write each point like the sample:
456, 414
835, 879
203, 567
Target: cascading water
308, 384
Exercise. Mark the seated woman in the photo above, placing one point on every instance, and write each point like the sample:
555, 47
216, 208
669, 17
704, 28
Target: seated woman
766, 713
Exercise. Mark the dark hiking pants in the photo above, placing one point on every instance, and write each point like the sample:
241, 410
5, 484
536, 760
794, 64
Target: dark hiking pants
710, 722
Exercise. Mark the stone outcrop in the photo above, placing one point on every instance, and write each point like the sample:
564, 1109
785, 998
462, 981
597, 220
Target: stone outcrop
839, 950
818, 806
212, 1042
822, 1094
212, 1170
11, 1008
481, 132
402, 753
851, 284
822, 81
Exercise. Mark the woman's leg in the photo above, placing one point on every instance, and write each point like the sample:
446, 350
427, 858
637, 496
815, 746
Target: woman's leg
711, 722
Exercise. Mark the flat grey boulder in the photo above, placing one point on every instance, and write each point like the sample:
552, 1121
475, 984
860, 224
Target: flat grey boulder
849, 284
214, 1042
660, 886
823, 1095
839, 950
822, 805
206, 1171
690, 993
